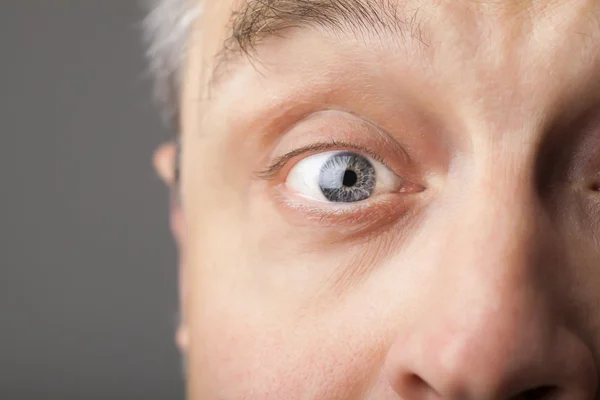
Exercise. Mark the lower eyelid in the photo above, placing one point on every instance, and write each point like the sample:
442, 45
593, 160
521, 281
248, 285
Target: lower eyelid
378, 211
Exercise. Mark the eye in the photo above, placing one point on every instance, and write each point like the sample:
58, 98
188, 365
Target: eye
341, 177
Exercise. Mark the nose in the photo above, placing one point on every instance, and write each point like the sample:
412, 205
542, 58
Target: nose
491, 326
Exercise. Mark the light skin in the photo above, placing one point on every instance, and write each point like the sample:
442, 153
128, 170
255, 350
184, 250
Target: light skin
470, 271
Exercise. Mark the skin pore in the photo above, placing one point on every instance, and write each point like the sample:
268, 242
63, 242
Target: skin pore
470, 270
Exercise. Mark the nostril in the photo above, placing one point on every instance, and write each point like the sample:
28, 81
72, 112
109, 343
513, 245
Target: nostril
538, 393
416, 380
417, 383
417, 387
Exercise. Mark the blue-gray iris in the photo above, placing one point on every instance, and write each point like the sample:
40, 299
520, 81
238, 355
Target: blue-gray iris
347, 177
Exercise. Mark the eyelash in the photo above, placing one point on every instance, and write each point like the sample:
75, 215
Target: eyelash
275, 167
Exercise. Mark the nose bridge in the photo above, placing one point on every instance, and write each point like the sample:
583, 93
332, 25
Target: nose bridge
497, 304
489, 319
490, 326
500, 229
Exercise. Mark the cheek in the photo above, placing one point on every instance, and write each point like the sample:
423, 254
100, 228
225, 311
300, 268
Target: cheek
254, 334
238, 356
245, 344
260, 331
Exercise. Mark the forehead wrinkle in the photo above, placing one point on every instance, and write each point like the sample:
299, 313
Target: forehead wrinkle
258, 20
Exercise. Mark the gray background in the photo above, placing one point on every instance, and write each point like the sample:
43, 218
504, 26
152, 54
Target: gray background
87, 266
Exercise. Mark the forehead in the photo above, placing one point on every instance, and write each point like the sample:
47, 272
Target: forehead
502, 44
504, 14
475, 24
471, 25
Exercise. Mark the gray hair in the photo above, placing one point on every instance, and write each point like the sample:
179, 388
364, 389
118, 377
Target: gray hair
167, 28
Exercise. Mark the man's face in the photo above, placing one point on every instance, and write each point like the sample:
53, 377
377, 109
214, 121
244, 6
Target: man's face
392, 199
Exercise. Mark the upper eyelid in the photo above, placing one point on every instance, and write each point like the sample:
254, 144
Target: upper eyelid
277, 165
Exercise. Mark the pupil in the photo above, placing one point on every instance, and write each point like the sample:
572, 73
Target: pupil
350, 178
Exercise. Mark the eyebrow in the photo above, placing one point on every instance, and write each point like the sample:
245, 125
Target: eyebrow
259, 20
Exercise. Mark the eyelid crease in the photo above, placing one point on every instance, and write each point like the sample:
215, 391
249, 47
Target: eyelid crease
277, 165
